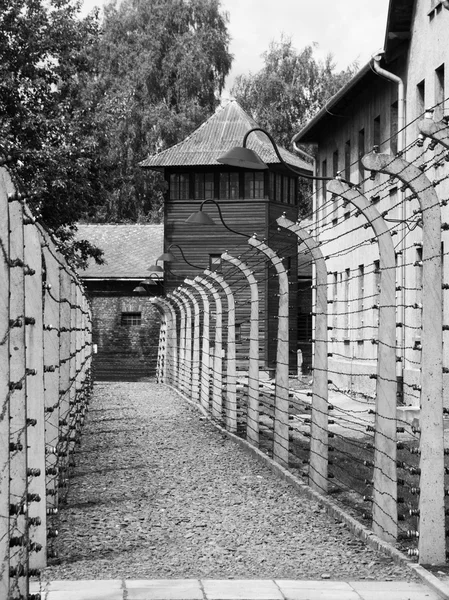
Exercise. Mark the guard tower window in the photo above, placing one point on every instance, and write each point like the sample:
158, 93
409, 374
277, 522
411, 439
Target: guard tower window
179, 186
204, 186
254, 184
229, 186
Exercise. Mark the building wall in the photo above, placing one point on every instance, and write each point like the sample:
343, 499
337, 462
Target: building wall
351, 250
125, 351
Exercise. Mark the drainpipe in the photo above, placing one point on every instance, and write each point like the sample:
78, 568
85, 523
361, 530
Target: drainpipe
375, 63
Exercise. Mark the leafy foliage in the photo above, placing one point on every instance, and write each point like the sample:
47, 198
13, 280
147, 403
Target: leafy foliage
161, 67
290, 89
45, 55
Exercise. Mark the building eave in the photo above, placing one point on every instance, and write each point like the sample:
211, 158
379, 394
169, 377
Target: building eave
307, 134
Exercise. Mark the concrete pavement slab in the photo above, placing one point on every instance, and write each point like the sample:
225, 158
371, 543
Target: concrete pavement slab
393, 590
164, 589
316, 590
241, 589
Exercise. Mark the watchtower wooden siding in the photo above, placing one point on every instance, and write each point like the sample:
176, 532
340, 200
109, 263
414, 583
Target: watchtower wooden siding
202, 243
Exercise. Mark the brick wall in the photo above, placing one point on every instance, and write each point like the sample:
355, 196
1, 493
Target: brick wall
125, 352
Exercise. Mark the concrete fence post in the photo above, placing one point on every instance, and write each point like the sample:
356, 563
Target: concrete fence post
252, 421
281, 409
188, 341
196, 356
231, 371
432, 535
385, 510
319, 439
217, 360
205, 346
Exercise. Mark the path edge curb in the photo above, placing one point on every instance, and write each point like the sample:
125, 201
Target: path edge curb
331, 508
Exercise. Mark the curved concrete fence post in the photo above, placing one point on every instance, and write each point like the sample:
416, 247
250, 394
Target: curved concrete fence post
162, 348
217, 354
432, 535
319, 439
196, 357
182, 342
187, 372
252, 419
205, 346
170, 374
385, 510
281, 408
231, 371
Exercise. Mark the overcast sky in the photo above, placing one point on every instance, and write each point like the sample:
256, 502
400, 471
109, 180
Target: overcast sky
349, 29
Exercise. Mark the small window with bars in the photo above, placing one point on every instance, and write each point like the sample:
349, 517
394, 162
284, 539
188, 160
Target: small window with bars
215, 262
130, 319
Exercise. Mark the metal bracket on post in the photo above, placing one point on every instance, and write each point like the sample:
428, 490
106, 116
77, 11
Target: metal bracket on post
187, 373
281, 425
431, 544
252, 424
205, 347
170, 367
231, 372
385, 512
195, 345
318, 460
217, 376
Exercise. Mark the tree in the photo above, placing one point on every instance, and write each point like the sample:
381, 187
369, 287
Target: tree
290, 89
162, 65
45, 123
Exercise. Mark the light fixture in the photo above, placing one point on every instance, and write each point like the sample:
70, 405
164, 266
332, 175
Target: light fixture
156, 268
141, 288
241, 156
201, 218
170, 257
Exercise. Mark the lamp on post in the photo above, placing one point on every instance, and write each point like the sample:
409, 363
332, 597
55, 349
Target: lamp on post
170, 257
243, 157
142, 287
201, 218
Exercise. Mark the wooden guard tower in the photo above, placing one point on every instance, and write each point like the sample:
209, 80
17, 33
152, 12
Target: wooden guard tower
250, 202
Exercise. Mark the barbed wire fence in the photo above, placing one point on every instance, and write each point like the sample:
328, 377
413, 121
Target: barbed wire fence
45, 383
355, 441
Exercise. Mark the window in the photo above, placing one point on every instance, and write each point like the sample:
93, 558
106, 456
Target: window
376, 132
323, 190
376, 292
361, 154
394, 128
347, 306
334, 304
254, 184
229, 186
285, 190
360, 302
214, 262
204, 186
335, 198
420, 98
439, 94
278, 188
179, 186
348, 160
238, 332
130, 319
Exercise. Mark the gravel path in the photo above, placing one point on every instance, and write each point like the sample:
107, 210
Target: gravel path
158, 492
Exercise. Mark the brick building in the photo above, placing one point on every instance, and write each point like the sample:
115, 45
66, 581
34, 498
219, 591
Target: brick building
125, 324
